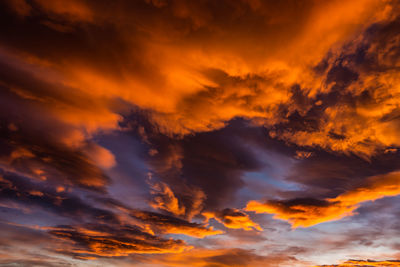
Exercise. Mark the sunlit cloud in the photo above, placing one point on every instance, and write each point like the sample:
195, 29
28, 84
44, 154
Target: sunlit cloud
309, 212
233, 218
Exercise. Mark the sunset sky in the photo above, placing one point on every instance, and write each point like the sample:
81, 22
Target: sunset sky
205, 133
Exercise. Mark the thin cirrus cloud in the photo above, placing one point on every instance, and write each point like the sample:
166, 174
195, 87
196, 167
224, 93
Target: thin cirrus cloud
199, 133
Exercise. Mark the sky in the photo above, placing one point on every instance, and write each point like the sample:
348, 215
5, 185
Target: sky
199, 133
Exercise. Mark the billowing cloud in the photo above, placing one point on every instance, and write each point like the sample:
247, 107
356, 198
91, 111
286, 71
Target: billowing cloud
355, 111
223, 76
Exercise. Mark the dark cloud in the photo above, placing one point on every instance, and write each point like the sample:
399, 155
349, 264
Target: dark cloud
44, 155
212, 161
327, 175
104, 235
35, 194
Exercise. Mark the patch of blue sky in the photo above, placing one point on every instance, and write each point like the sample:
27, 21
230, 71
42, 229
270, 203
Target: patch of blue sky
270, 178
130, 173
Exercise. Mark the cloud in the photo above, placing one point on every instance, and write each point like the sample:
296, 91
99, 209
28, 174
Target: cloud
172, 225
204, 170
358, 102
20, 7
326, 175
309, 212
155, 222
365, 263
103, 241
228, 70
224, 79
107, 233
164, 199
101, 156
44, 160
234, 219
73, 11
222, 258
52, 149
44, 263
16, 189
24, 246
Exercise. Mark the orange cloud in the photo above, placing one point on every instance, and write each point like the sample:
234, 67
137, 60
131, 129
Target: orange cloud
364, 121
365, 263
164, 199
171, 225
222, 258
100, 155
199, 232
309, 212
190, 83
303, 154
73, 10
95, 244
36, 193
234, 219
